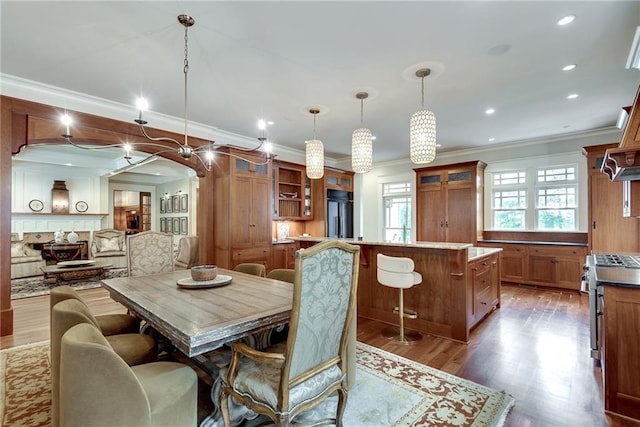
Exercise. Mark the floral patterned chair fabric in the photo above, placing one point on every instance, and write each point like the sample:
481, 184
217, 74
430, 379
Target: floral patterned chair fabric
282, 384
149, 252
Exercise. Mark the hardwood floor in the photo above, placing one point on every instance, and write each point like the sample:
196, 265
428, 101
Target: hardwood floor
536, 348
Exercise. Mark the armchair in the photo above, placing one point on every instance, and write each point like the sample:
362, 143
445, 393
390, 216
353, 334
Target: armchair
25, 261
187, 255
282, 384
109, 245
97, 388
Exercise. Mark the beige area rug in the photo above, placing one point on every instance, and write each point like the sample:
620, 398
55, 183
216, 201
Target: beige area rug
36, 285
389, 391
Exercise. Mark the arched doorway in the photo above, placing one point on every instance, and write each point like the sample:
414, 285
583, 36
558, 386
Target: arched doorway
27, 123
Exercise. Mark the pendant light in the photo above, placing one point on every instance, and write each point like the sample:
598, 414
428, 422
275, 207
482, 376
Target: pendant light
314, 153
361, 143
422, 130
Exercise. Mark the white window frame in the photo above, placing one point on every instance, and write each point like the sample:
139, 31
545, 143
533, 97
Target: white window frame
567, 183
520, 185
531, 167
406, 194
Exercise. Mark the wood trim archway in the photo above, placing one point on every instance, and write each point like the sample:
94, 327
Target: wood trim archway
25, 123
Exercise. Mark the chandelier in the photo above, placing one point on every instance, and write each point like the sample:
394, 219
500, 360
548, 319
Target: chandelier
314, 153
361, 143
422, 130
203, 153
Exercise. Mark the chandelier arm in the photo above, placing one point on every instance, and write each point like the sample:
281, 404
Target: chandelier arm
247, 150
163, 138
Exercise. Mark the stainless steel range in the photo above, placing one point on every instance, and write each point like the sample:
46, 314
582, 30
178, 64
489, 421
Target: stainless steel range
603, 269
614, 260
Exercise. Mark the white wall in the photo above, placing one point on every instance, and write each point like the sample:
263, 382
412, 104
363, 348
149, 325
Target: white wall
31, 181
541, 152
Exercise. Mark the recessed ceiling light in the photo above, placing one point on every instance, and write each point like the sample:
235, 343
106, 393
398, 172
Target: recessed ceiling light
566, 20
438, 145
491, 139
489, 111
68, 164
270, 122
572, 96
569, 67
373, 137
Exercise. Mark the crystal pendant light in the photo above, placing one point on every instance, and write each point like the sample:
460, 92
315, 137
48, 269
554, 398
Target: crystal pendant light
361, 143
314, 153
422, 130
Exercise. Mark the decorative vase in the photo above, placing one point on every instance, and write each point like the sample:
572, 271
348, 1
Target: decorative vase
72, 237
58, 236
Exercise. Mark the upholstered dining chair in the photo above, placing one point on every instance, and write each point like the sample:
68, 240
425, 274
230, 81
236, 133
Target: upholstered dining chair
187, 255
251, 268
284, 274
97, 388
282, 384
133, 349
110, 324
149, 252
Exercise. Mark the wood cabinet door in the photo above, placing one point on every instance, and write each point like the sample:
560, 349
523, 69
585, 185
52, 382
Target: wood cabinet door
610, 231
260, 229
240, 197
460, 219
430, 214
542, 268
513, 265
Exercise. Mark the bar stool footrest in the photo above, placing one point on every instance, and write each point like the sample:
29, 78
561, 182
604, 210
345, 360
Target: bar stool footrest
409, 314
393, 333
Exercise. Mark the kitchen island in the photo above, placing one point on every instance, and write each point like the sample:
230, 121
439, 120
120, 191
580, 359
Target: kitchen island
460, 285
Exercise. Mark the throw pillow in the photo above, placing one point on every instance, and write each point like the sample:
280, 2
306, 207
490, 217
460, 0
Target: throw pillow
17, 249
110, 245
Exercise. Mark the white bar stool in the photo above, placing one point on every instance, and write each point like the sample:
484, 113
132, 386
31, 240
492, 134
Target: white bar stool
397, 272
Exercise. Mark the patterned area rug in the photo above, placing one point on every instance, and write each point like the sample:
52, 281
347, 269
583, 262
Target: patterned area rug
389, 391
36, 285
25, 386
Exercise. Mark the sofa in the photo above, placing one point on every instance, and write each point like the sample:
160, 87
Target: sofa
25, 261
109, 245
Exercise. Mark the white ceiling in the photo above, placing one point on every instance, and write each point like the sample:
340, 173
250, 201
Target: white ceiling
275, 60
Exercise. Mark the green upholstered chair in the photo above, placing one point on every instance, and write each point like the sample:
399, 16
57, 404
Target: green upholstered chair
251, 268
134, 349
110, 324
149, 252
97, 387
282, 384
284, 274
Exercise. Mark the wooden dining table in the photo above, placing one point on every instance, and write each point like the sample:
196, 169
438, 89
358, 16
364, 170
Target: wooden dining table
200, 320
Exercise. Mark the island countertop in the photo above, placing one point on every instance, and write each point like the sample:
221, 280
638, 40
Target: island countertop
474, 252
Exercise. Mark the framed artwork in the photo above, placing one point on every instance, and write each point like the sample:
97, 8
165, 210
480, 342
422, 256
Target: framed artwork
167, 205
163, 225
176, 203
183, 225
176, 225
168, 225
184, 203
163, 205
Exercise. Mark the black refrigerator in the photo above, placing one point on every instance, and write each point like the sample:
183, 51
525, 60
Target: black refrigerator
339, 214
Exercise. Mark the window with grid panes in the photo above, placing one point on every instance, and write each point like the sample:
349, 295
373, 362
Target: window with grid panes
556, 202
396, 198
509, 200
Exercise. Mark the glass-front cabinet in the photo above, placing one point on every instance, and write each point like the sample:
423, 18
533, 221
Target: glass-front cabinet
292, 193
